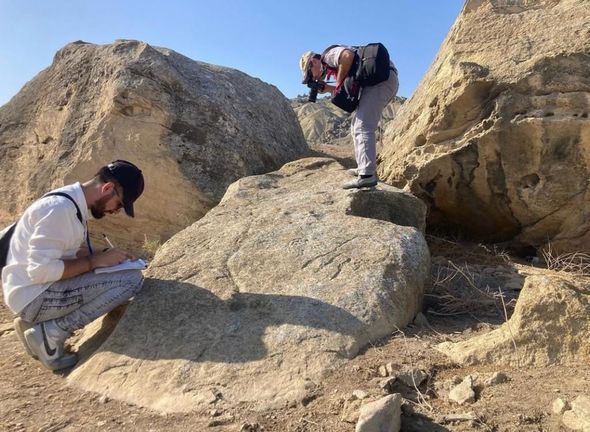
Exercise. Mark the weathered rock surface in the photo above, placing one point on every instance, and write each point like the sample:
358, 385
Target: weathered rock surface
463, 393
578, 418
194, 128
324, 123
382, 415
496, 139
549, 325
287, 277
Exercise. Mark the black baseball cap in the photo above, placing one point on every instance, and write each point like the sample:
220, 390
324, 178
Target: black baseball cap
131, 180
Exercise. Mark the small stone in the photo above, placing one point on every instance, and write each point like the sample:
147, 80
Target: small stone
578, 418
387, 385
412, 377
103, 399
382, 371
381, 415
251, 427
221, 420
390, 368
215, 413
359, 394
350, 412
463, 393
455, 379
421, 320
559, 406
496, 378
101, 423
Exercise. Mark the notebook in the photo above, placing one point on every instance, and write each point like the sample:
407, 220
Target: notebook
138, 264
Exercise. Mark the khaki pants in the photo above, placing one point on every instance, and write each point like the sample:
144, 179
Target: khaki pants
366, 119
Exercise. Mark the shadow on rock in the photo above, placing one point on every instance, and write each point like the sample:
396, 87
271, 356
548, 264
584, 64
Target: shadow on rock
176, 320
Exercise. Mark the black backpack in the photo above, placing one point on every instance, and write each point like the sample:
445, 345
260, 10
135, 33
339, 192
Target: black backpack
7, 233
371, 64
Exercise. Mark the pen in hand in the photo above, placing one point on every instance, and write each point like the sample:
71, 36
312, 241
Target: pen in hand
108, 241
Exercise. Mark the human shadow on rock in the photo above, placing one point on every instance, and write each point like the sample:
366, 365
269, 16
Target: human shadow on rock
177, 320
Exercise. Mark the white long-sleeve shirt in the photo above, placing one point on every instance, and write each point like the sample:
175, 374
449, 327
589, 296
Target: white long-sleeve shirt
47, 233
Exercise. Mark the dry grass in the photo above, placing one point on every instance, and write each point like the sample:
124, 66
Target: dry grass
574, 263
150, 247
458, 288
467, 252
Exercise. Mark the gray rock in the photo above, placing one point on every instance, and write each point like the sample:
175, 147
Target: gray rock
559, 405
350, 412
382, 415
496, 378
463, 393
272, 288
467, 141
578, 418
360, 394
192, 127
411, 377
421, 320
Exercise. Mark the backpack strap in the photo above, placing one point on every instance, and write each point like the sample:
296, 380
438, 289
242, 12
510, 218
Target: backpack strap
65, 195
355, 62
78, 215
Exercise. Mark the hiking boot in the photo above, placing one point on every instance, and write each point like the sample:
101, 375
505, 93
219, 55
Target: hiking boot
20, 327
49, 349
361, 182
353, 172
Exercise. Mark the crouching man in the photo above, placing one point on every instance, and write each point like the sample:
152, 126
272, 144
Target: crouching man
49, 279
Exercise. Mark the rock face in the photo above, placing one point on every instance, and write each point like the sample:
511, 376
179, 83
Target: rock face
549, 325
287, 277
496, 138
324, 123
192, 127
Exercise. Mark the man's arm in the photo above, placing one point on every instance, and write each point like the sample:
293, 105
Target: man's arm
344, 64
85, 264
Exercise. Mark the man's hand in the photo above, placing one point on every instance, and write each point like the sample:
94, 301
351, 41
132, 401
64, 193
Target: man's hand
83, 252
109, 257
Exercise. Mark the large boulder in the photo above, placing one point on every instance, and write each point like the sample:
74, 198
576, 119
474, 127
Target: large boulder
194, 128
496, 138
549, 326
287, 277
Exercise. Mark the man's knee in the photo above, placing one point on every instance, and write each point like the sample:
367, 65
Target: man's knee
135, 279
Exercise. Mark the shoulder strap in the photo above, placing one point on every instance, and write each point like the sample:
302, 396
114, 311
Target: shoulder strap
65, 195
78, 215
328, 49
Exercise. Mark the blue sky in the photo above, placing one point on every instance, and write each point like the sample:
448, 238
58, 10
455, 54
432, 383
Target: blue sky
263, 38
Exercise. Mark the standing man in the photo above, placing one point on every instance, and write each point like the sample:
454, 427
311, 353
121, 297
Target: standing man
340, 61
48, 280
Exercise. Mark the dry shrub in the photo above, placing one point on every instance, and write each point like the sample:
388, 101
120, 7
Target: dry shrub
150, 247
574, 263
458, 286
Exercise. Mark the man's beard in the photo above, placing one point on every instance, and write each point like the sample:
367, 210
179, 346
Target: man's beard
98, 208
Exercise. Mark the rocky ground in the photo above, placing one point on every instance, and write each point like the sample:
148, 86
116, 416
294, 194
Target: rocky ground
464, 300
474, 288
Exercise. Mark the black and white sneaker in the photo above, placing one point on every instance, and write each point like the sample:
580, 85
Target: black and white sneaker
49, 351
361, 182
20, 327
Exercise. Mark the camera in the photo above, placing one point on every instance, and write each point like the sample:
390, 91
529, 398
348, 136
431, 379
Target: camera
315, 86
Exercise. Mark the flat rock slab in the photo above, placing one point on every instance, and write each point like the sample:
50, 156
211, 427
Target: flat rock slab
288, 277
549, 325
